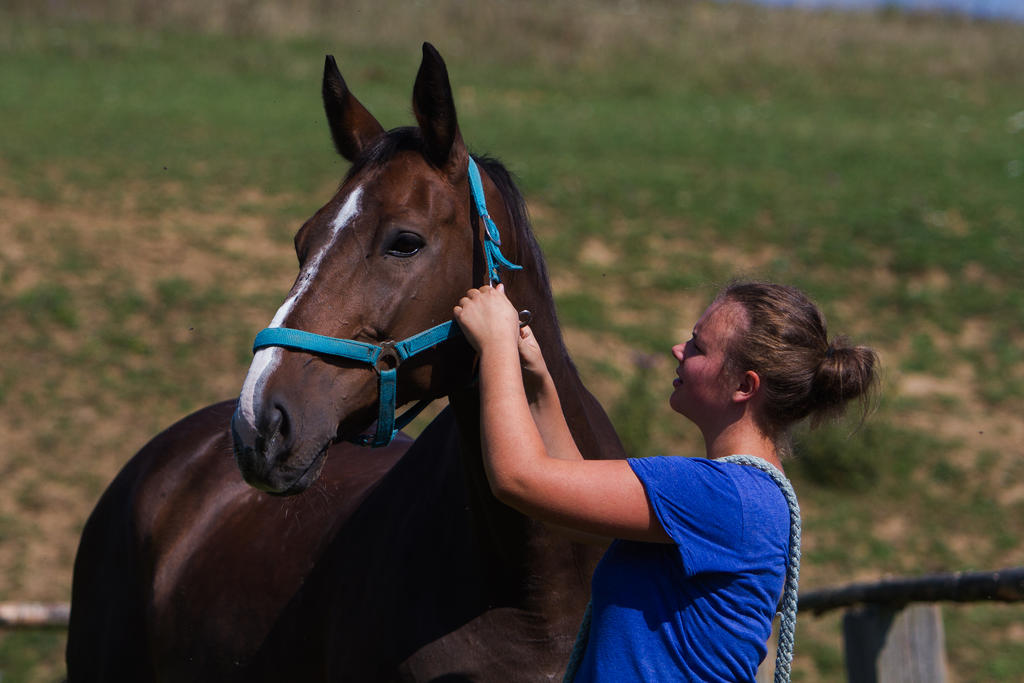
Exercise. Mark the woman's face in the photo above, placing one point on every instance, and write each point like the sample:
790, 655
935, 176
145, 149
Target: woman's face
702, 389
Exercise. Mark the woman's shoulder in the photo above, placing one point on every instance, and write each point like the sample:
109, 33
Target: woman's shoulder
690, 478
763, 500
673, 465
682, 465
754, 489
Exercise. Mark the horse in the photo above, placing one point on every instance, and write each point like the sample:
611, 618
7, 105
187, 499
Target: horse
259, 539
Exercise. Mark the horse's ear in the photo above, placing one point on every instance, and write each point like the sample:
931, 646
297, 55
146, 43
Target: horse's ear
352, 127
434, 106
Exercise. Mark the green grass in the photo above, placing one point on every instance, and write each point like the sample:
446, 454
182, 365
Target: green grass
156, 170
32, 656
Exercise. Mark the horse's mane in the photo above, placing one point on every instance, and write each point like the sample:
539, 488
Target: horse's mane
528, 248
518, 217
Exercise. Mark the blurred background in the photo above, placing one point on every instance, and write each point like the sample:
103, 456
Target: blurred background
156, 159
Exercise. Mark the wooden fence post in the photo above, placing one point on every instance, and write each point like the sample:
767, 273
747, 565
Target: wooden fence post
886, 644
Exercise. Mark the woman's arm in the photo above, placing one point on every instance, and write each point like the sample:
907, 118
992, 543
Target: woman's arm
542, 397
602, 497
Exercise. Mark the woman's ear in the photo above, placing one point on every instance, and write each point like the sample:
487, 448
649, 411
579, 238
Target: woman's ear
747, 387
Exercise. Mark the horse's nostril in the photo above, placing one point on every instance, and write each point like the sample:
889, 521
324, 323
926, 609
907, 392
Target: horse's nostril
280, 424
272, 432
278, 434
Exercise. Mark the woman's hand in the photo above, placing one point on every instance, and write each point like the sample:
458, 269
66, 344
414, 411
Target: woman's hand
486, 317
535, 370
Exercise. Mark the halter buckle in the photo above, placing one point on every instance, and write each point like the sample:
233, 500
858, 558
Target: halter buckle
389, 358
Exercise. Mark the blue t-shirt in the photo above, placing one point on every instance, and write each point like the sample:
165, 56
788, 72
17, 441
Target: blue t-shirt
701, 608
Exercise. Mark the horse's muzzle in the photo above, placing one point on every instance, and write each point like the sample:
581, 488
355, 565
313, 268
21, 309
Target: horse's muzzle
266, 459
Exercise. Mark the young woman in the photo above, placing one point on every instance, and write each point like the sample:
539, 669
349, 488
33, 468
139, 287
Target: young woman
689, 588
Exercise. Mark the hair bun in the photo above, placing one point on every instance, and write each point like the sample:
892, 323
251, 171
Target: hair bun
839, 347
844, 373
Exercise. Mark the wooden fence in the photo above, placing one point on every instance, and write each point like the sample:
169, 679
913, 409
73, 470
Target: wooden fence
34, 614
892, 629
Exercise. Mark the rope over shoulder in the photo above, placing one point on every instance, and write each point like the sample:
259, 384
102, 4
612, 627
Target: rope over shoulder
787, 606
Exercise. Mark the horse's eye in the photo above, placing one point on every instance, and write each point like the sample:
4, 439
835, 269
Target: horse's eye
406, 244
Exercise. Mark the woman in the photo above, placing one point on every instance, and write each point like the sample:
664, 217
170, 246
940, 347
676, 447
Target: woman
689, 587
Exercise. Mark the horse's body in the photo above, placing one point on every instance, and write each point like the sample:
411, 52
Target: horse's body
184, 570
396, 563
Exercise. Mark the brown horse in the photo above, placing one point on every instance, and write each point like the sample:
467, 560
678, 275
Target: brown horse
394, 564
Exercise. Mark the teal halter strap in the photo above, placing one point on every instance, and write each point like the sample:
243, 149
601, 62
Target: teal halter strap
492, 238
385, 358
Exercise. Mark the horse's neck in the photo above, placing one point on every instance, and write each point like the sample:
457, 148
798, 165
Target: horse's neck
590, 426
515, 545
528, 566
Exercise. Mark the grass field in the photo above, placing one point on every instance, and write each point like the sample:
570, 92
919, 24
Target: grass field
155, 163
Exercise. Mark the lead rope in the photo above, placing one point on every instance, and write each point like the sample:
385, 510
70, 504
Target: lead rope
788, 604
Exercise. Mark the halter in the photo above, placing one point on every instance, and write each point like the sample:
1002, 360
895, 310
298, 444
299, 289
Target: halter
385, 358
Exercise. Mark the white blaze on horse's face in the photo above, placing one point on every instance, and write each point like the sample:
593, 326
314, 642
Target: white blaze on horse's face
266, 360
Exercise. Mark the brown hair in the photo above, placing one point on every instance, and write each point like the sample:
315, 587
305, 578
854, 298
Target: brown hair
803, 374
